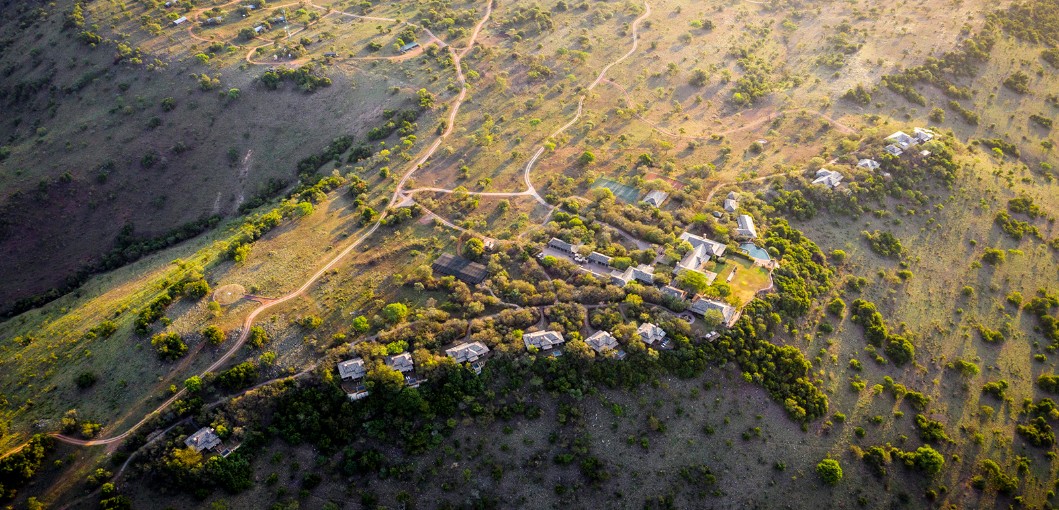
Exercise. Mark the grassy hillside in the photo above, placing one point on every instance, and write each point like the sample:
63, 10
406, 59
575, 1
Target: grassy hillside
93, 145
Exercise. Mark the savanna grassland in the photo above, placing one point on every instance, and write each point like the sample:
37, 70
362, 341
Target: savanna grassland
898, 349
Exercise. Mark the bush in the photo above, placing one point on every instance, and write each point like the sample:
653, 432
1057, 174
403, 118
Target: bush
830, 471
258, 337
991, 336
311, 322
1048, 382
993, 256
196, 289
995, 388
1051, 56
937, 115
394, 313
836, 307
193, 384
965, 368
858, 94
930, 431
1018, 82
86, 379
214, 335
1041, 120
884, 243
238, 376
170, 346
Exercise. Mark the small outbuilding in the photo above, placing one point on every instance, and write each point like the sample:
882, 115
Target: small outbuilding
655, 198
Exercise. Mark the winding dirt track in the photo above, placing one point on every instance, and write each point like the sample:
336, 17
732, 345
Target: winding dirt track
581, 100
266, 305
399, 198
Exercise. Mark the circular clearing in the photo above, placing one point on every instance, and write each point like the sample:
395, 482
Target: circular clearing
229, 294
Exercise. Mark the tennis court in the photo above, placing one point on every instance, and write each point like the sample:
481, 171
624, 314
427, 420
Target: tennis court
621, 192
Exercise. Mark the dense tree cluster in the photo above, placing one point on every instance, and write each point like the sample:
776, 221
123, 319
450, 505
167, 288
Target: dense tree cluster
169, 346
402, 120
308, 77
1015, 229
945, 71
18, 468
239, 376
526, 20
924, 459
1037, 430
1035, 21
804, 274
884, 243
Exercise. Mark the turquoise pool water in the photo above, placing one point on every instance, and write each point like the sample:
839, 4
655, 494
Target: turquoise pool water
754, 251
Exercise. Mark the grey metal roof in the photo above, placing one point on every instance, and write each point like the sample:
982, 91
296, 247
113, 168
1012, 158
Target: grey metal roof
599, 258
203, 439
461, 268
352, 369
559, 244
650, 333
467, 352
601, 341
401, 362
543, 339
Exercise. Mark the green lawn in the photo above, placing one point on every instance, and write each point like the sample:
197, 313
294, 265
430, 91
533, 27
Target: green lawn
748, 279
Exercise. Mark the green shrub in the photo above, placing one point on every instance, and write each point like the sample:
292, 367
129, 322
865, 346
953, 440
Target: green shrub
995, 388
993, 256
258, 337
214, 335
830, 471
884, 243
170, 346
1018, 82
85, 380
836, 307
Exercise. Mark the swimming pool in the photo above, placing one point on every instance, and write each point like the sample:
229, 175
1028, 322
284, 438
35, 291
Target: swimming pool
755, 252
